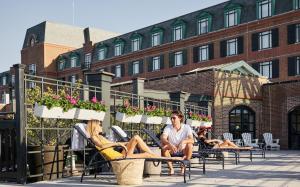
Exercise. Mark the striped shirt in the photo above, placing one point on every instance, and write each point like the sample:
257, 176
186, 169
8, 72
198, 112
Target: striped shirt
174, 136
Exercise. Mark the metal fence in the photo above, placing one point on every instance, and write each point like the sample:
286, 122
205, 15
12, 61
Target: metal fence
24, 139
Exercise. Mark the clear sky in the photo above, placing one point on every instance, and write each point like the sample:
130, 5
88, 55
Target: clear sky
119, 16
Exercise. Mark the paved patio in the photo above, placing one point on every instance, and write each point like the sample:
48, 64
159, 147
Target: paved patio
280, 168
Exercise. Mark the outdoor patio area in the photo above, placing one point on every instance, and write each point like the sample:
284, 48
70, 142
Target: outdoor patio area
280, 168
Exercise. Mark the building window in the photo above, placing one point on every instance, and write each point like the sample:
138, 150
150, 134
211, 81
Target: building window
178, 58
156, 39
203, 26
32, 69
118, 49
4, 80
296, 4
297, 33
232, 47
177, 33
297, 66
87, 60
156, 63
13, 93
32, 41
265, 40
61, 65
265, 8
203, 53
73, 61
135, 44
101, 53
13, 79
73, 79
265, 68
118, 71
231, 18
135, 67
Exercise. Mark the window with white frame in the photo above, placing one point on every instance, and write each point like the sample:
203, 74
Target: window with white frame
296, 4
232, 47
13, 79
118, 49
4, 80
178, 33
88, 58
265, 69
265, 40
136, 67
297, 33
73, 79
264, 8
203, 26
156, 39
135, 44
156, 63
203, 53
61, 65
101, 54
118, 71
298, 65
13, 93
231, 18
32, 69
73, 61
178, 56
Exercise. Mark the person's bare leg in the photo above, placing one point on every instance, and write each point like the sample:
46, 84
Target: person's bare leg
166, 153
137, 141
229, 143
188, 151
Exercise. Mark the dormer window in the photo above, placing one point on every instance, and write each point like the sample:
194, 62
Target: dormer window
32, 69
232, 14
101, 51
296, 4
178, 30
61, 65
4, 80
156, 36
265, 8
32, 42
204, 23
136, 42
119, 47
73, 61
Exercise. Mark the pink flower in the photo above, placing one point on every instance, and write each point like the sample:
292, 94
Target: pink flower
102, 102
68, 97
94, 99
73, 101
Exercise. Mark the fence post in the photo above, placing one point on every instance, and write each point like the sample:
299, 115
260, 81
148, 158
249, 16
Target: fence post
20, 123
138, 89
103, 79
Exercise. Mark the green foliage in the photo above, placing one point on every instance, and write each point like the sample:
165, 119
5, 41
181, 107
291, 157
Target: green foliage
154, 111
129, 110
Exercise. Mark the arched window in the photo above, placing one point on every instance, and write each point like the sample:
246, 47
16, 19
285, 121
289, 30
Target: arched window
294, 129
241, 119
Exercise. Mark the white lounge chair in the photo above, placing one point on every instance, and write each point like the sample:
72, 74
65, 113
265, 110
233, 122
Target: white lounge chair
229, 136
272, 144
247, 139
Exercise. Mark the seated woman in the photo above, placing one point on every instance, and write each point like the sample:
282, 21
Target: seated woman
214, 143
94, 128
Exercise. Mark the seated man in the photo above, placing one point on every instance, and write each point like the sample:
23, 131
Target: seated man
177, 139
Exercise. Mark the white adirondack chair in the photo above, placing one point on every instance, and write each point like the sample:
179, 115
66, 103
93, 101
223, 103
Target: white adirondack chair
229, 136
272, 144
247, 139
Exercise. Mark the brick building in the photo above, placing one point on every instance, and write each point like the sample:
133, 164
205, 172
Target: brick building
263, 33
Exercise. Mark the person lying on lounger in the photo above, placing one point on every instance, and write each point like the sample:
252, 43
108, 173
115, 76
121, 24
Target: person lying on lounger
216, 143
94, 128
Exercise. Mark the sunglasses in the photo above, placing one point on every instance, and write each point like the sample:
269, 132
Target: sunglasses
173, 118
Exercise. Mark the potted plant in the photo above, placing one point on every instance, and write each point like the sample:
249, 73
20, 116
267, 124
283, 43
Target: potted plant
153, 115
206, 120
166, 118
92, 109
193, 120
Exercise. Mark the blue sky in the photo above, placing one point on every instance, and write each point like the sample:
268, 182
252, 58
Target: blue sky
119, 16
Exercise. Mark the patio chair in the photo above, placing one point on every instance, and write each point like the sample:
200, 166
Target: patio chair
156, 141
273, 144
121, 135
247, 139
229, 136
106, 160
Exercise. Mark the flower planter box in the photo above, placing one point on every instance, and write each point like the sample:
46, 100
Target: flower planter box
206, 124
193, 123
166, 120
151, 119
74, 113
84, 114
122, 117
136, 118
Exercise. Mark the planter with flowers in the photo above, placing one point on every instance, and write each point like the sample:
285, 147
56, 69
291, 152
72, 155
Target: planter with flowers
153, 115
199, 120
129, 114
68, 107
166, 119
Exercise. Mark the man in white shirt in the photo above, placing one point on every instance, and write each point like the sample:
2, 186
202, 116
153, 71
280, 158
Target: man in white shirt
177, 139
